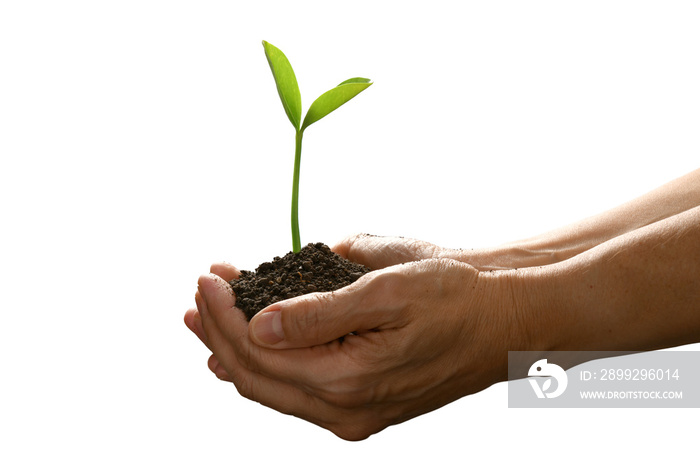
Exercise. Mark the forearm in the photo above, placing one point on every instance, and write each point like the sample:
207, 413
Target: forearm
670, 199
639, 291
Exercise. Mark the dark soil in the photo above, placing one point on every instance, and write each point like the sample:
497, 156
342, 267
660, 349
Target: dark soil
314, 268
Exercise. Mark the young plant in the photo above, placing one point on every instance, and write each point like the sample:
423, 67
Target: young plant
288, 90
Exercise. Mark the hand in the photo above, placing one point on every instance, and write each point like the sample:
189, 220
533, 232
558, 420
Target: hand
377, 252
399, 342
193, 319
409, 338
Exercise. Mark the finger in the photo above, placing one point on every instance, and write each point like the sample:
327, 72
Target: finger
218, 302
218, 370
225, 270
276, 394
377, 252
311, 369
193, 321
217, 342
319, 318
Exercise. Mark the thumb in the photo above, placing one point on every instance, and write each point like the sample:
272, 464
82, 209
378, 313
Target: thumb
312, 319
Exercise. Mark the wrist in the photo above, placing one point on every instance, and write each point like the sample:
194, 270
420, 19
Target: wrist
513, 304
548, 309
587, 303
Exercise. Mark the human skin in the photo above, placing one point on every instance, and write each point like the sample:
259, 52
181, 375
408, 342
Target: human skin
670, 199
426, 328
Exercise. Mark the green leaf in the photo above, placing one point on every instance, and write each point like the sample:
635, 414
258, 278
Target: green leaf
334, 98
286, 82
356, 80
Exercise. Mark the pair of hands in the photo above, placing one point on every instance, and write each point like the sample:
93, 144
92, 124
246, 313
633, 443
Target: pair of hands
419, 331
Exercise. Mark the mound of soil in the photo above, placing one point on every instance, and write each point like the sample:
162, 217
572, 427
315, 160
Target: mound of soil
314, 268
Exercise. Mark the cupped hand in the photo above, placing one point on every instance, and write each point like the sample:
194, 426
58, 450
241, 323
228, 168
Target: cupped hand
193, 319
401, 341
377, 252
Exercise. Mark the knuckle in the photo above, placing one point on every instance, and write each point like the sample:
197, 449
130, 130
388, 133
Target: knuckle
388, 286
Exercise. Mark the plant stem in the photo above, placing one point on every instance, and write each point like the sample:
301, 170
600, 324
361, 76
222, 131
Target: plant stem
296, 239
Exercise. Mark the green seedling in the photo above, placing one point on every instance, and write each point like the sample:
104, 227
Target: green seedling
288, 90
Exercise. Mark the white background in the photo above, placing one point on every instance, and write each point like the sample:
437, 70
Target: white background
143, 140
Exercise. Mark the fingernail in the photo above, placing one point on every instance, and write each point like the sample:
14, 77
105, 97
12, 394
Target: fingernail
267, 328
